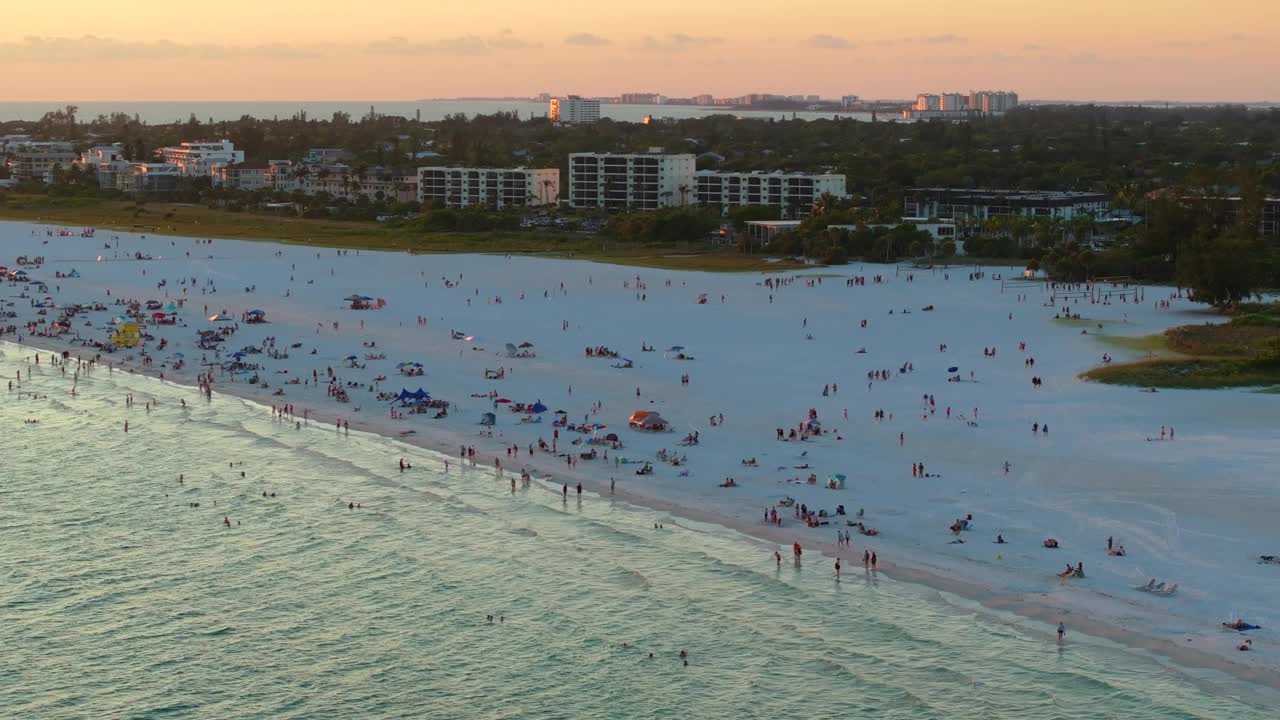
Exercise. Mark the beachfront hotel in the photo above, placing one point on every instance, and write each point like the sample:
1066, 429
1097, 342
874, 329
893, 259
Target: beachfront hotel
954, 203
36, 161
573, 110
199, 159
496, 188
793, 193
641, 181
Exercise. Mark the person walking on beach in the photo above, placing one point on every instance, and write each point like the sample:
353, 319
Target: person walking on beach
1062, 631
866, 558
873, 560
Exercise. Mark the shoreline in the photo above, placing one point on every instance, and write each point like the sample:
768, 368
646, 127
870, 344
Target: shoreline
1035, 607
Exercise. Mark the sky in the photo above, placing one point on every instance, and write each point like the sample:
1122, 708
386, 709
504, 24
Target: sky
1111, 50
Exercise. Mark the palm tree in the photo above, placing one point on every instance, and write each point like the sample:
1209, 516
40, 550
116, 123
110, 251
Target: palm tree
684, 194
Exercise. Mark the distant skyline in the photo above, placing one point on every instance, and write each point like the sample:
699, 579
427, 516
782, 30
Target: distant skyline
1177, 50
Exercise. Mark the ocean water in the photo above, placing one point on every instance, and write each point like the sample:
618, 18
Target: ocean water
119, 599
429, 110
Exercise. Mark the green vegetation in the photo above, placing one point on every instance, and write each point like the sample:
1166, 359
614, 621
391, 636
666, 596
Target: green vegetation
1169, 166
1239, 353
1155, 344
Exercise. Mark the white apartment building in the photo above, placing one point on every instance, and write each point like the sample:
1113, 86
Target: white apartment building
107, 162
36, 161
574, 109
793, 193
149, 177
489, 187
247, 175
630, 181
198, 159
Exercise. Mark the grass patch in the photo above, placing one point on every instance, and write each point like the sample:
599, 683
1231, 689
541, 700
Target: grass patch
1189, 373
1208, 356
1222, 340
189, 220
1158, 343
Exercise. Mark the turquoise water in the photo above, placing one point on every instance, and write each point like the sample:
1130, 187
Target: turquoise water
118, 599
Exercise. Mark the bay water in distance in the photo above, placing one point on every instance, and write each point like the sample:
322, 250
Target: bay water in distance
429, 110
120, 598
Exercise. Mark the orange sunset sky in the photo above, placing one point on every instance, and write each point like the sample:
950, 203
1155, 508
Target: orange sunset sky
401, 50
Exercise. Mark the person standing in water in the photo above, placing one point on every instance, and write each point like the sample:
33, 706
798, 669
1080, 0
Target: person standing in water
1062, 631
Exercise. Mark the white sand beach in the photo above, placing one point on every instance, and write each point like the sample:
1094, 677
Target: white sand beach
1182, 480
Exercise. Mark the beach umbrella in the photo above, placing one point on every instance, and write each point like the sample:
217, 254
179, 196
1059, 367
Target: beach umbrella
171, 307
157, 315
353, 298
538, 408
503, 401
675, 348
953, 368
526, 344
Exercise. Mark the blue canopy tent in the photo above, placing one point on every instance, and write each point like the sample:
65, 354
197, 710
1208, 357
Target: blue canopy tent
538, 407
405, 395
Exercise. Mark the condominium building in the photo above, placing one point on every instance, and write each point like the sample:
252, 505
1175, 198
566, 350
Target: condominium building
792, 193
953, 203
990, 102
640, 98
149, 177
247, 175
489, 187
630, 181
107, 163
574, 109
345, 183
960, 106
198, 159
37, 161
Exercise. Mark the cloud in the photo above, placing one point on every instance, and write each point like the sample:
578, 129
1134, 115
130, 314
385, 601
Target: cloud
946, 39
461, 45
94, 48
585, 39
829, 42
678, 41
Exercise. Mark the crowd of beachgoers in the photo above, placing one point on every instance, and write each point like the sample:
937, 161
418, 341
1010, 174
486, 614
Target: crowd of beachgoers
887, 416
